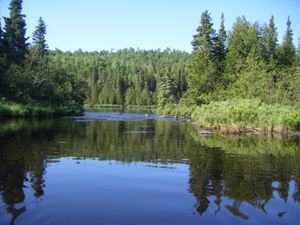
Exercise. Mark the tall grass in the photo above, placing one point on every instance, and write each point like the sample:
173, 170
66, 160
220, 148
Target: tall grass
176, 110
238, 115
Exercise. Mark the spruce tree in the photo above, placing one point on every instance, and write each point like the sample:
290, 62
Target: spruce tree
243, 38
270, 40
203, 76
15, 30
206, 35
2, 64
287, 50
39, 40
220, 49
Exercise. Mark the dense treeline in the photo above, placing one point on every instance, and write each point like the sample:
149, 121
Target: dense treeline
129, 77
31, 82
246, 62
249, 63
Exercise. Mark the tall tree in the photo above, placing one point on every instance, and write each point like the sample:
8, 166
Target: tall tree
287, 50
39, 40
270, 40
206, 35
15, 30
165, 92
2, 64
242, 39
203, 77
220, 47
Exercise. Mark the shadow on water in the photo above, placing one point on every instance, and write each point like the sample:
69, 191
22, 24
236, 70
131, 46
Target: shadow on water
225, 173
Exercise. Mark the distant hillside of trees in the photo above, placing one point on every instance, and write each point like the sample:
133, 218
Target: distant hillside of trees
128, 77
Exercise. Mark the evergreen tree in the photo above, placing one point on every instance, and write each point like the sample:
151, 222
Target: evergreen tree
165, 92
206, 35
287, 50
220, 52
243, 38
39, 41
203, 77
2, 64
270, 41
15, 30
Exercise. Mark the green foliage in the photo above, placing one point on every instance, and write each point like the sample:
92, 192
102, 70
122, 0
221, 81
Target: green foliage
39, 110
176, 110
270, 40
36, 84
287, 51
242, 114
127, 77
39, 40
14, 36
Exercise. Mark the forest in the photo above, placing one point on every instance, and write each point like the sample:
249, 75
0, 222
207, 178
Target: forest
227, 71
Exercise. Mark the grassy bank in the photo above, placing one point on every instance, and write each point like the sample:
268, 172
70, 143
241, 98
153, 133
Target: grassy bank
176, 110
15, 110
243, 115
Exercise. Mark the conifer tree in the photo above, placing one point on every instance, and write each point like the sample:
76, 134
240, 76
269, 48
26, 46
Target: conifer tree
15, 30
270, 42
39, 40
220, 42
206, 35
203, 77
287, 50
2, 64
244, 37
165, 92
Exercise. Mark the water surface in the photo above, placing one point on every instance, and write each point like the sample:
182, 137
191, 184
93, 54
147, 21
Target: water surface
126, 168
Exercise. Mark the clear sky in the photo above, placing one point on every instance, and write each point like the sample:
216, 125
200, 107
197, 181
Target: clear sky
145, 24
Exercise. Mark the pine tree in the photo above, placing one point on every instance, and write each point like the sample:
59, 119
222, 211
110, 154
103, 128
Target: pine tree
165, 92
220, 49
39, 40
203, 77
287, 50
270, 41
206, 35
243, 38
15, 30
2, 64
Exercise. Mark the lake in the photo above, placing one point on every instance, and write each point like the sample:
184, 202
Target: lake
127, 168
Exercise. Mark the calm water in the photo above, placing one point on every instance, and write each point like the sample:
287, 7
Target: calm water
110, 168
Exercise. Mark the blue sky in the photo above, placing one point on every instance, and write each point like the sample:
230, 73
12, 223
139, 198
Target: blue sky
145, 24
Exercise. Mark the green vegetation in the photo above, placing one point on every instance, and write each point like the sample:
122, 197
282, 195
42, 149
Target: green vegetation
128, 77
38, 110
176, 110
244, 82
234, 116
31, 83
245, 63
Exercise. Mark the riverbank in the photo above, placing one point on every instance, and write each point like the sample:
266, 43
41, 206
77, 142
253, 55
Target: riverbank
16, 110
238, 116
